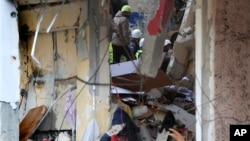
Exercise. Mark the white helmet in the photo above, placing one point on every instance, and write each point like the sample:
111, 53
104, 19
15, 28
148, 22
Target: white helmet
141, 43
136, 33
167, 42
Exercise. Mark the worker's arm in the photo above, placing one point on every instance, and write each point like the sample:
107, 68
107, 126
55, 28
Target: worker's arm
125, 31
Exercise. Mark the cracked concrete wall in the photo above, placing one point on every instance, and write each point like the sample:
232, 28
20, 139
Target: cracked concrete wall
58, 72
72, 23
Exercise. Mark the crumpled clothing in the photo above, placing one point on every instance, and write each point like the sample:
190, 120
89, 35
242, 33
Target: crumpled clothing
187, 92
182, 93
130, 129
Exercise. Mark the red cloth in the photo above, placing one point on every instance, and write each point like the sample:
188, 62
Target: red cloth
114, 138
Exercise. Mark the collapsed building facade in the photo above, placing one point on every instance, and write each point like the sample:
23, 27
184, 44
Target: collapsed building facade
60, 79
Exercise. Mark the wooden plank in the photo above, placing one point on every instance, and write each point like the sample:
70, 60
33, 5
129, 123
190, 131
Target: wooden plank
30, 121
132, 81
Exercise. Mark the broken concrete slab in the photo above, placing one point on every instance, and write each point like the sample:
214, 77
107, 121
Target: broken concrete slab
180, 114
183, 49
154, 37
119, 90
183, 116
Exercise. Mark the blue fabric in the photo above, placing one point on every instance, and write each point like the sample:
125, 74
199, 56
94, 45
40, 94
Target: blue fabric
105, 137
118, 117
133, 46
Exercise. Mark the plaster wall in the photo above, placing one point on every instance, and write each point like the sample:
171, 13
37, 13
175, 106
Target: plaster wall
9, 72
231, 65
9, 54
222, 67
78, 22
93, 102
57, 54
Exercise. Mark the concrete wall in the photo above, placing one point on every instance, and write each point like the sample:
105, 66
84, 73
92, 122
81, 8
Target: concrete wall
79, 37
9, 72
89, 106
57, 53
222, 67
231, 65
9, 55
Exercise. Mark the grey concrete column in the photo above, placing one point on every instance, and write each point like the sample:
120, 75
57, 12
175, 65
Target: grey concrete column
9, 123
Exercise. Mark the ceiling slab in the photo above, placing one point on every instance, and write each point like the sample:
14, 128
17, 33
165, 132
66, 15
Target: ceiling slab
26, 2
34, 2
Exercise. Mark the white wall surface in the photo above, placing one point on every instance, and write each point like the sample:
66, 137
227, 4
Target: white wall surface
9, 54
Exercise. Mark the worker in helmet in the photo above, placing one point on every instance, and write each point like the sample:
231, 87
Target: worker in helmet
134, 42
121, 35
168, 49
139, 52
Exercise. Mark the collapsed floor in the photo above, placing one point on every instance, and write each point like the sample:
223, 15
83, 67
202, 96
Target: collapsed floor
149, 106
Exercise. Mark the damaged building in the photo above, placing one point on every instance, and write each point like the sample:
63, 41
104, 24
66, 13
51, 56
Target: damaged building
57, 83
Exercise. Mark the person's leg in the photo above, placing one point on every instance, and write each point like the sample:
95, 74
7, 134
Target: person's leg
127, 53
116, 53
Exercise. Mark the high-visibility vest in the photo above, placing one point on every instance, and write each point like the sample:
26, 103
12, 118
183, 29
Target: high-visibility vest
138, 54
110, 53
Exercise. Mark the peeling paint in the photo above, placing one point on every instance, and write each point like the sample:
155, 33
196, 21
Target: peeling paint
159, 21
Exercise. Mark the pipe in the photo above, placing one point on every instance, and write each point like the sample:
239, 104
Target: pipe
35, 38
55, 17
54, 37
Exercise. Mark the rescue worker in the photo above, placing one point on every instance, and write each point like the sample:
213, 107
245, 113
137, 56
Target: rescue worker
134, 42
139, 52
121, 35
168, 47
116, 5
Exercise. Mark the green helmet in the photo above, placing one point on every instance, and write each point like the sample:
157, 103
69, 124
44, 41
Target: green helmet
126, 8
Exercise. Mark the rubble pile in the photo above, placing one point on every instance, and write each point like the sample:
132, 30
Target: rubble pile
145, 110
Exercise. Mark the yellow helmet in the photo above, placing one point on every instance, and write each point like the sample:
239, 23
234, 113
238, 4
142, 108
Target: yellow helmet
126, 8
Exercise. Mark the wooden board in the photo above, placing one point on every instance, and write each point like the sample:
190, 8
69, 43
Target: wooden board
132, 82
30, 121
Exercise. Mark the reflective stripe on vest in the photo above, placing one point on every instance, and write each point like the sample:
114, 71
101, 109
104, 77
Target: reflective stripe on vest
138, 54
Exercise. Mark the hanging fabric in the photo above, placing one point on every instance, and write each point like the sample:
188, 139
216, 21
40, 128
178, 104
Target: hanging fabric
92, 131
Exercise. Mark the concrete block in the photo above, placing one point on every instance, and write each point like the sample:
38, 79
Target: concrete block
175, 69
183, 52
155, 34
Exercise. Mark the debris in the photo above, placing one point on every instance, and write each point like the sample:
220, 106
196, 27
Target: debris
30, 121
136, 83
139, 110
162, 136
63, 136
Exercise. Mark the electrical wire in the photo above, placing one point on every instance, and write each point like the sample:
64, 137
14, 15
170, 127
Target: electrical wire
85, 82
88, 82
93, 75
